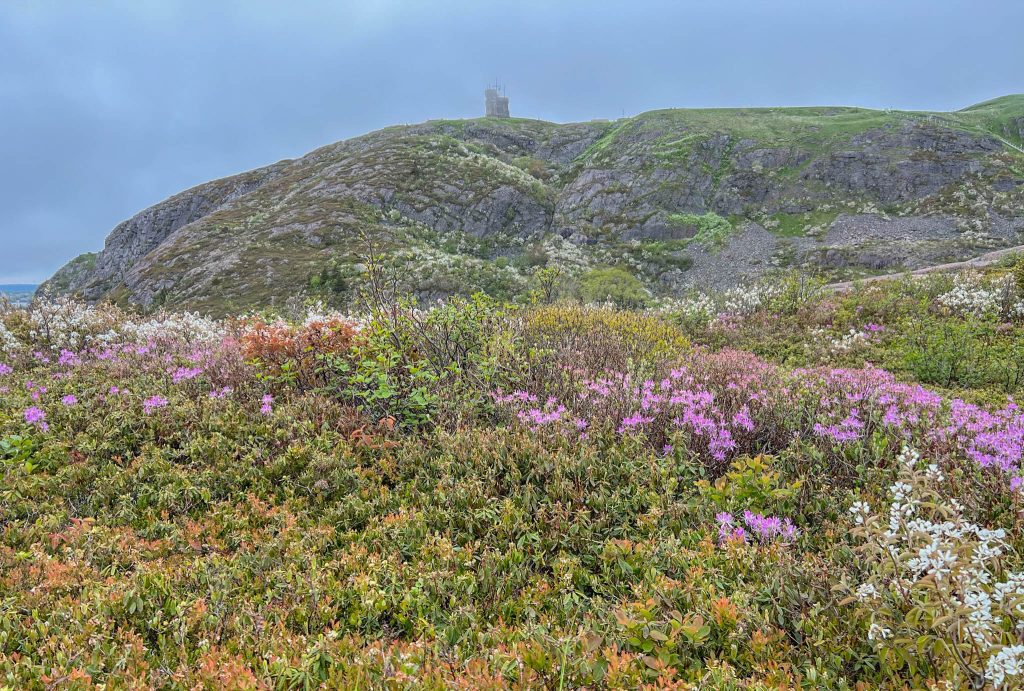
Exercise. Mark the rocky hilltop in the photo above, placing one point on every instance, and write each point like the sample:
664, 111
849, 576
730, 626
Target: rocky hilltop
677, 198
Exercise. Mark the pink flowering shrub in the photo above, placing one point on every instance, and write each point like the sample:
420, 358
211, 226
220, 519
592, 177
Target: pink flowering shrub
755, 526
718, 406
154, 403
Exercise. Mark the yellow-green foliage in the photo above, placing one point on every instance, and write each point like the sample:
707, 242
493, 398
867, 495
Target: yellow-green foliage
602, 336
613, 285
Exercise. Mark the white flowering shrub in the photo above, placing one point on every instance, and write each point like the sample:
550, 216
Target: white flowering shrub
697, 308
65, 323
748, 299
938, 599
8, 341
184, 326
739, 301
319, 314
972, 294
849, 341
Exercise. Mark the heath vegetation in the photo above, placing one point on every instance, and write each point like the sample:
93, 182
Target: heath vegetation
774, 487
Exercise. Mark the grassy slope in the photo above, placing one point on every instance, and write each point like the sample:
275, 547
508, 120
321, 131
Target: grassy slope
814, 128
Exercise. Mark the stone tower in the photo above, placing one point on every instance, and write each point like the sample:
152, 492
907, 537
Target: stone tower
497, 105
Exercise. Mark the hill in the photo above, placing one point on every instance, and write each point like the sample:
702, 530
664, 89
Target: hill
704, 198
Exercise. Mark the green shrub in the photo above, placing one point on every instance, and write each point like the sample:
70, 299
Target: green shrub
613, 285
949, 352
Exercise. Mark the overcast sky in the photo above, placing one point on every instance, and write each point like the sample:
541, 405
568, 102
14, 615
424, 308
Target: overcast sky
109, 106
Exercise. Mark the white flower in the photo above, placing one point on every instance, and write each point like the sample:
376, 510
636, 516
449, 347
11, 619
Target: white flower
929, 559
8, 343
1008, 662
908, 457
878, 633
860, 510
866, 591
979, 615
747, 300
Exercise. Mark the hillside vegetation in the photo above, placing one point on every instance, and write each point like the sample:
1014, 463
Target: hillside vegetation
679, 199
773, 486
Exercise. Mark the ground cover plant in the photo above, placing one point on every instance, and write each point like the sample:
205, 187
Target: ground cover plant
776, 487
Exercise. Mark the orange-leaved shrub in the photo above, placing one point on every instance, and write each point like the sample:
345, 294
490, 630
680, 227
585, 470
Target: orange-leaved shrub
292, 353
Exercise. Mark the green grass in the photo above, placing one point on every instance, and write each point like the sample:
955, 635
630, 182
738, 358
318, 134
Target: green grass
814, 129
998, 117
712, 229
797, 225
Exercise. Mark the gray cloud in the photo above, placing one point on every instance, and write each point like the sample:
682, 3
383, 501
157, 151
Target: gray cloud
106, 108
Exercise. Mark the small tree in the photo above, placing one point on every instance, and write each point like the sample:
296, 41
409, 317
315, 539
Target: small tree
547, 280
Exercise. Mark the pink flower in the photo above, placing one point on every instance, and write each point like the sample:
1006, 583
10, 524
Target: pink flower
184, 373
742, 419
152, 403
728, 531
69, 400
36, 416
68, 357
634, 421
267, 407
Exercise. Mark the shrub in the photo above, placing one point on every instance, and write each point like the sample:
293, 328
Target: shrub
712, 229
937, 600
290, 353
593, 339
615, 286
411, 364
949, 352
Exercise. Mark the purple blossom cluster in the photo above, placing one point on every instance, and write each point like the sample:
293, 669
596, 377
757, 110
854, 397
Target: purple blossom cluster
724, 404
69, 358
37, 417
153, 403
765, 529
686, 401
185, 373
157, 359
221, 392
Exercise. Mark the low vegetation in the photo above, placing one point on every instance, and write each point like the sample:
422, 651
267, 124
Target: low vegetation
774, 487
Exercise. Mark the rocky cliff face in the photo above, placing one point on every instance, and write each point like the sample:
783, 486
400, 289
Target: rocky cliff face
679, 198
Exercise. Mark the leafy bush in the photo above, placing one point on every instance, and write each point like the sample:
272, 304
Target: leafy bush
292, 353
615, 286
596, 338
949, 352
938, 600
